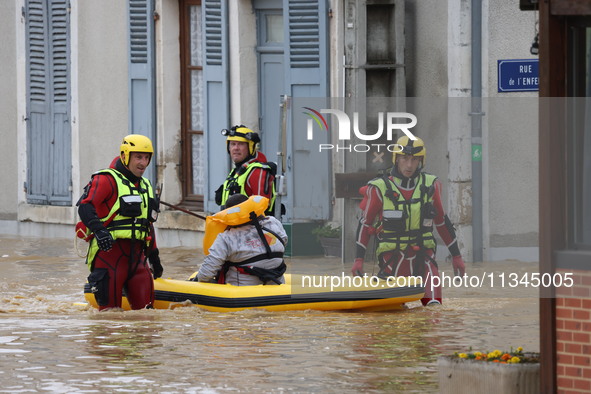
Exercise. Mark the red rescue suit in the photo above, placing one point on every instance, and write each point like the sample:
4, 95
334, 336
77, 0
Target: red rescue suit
404, 262
124, 268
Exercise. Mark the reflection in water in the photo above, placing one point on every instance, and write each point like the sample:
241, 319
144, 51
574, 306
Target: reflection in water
117, 345
47, 343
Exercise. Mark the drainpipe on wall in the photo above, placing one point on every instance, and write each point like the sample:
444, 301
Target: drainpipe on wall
476, 120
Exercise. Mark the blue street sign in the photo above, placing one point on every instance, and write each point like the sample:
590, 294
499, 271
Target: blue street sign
518, 75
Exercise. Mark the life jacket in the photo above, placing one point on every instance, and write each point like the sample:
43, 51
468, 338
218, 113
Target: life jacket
240, 214
236, 182
245, 267
406, 222
129, 215
233, 216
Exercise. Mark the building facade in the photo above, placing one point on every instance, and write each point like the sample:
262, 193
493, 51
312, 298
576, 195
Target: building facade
78, 76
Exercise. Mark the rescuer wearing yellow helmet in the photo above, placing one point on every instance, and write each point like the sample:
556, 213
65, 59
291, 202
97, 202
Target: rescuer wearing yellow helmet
401, 209
117, 211
252, 174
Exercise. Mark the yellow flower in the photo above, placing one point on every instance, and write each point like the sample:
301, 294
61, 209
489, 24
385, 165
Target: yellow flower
497, 356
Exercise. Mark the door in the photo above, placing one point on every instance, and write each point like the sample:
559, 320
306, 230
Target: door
292, 48
270, 43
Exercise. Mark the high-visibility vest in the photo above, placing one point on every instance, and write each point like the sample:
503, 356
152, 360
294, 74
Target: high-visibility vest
233, 216
125, 227
238, 178
406, 222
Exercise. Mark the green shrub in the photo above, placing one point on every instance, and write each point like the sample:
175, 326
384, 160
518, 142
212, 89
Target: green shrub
327, 231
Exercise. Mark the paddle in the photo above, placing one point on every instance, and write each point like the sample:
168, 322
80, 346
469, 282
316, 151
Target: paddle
183, 210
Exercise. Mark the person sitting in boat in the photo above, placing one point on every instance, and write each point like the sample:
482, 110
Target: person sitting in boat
248, 254
401, 209
252, 174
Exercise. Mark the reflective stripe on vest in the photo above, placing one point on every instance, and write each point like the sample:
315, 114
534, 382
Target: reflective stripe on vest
124, 227
414, 233
239, 178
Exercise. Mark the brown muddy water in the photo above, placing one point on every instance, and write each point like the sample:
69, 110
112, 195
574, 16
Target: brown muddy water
50, 344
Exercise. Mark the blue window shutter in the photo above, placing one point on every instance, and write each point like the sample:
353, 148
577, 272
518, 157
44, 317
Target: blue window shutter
61, 152
217, 103
307, 60
142, 82
38, 102
48, 102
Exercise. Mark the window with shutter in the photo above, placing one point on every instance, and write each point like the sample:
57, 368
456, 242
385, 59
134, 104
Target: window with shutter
304, 33
192, 137
216, 108
48, 103
142, 82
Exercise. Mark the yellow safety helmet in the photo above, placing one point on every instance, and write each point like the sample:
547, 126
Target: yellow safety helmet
406, 146
135, 143
243, 134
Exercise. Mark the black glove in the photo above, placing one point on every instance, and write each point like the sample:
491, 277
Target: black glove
102, 235
154, 260
103, 239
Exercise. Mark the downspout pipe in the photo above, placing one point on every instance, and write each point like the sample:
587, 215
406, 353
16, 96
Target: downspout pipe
476, 136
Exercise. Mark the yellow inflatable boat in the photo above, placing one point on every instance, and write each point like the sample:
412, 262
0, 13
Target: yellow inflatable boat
300, 292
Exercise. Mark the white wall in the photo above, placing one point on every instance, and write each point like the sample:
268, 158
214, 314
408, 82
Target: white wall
10, 19
244, 107
511, 140
168, 101
102, 76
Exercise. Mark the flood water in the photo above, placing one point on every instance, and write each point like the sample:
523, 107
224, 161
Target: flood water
49, 343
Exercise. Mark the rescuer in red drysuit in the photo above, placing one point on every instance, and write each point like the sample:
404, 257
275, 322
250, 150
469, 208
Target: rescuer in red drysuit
400, 210
118, 208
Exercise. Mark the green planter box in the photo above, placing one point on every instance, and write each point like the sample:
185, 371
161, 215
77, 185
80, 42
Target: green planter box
301, 240
331, 246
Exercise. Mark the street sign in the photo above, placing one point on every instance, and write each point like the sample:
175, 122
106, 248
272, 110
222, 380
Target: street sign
518, 75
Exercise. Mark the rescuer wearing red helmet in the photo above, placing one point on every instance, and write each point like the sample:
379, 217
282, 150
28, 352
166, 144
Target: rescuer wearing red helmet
401, 210
252, 174
118, 207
